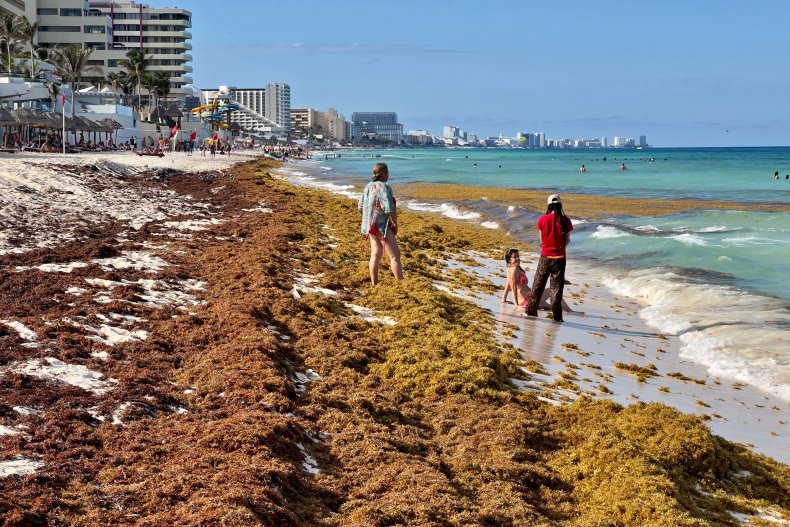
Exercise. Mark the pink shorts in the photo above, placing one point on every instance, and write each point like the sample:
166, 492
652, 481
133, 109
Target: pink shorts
526, 300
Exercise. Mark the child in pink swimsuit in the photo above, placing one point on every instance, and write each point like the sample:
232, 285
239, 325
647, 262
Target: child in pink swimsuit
517, 280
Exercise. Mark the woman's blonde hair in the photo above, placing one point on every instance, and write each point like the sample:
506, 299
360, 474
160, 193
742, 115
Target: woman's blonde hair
378, 170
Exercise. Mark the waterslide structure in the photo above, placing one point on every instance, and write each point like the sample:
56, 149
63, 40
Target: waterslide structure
217, 113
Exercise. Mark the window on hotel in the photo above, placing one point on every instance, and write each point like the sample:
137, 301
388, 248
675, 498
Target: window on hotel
71, 12
95, 45
47, 11
61, 29
95, 30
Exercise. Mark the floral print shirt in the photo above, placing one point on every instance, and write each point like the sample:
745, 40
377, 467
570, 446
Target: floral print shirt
375, 204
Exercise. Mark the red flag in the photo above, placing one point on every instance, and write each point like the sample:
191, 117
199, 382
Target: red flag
63, 99
174, 131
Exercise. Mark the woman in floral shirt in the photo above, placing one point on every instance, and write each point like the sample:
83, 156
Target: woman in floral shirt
380, 222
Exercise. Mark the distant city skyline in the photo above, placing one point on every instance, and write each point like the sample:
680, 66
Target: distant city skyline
699, 74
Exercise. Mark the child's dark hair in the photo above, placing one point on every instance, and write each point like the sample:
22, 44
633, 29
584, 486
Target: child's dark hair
559, 216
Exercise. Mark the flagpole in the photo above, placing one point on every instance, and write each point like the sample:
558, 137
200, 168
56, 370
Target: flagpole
63, 113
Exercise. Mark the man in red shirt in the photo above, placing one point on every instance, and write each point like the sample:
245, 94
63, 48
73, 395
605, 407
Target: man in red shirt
555, 229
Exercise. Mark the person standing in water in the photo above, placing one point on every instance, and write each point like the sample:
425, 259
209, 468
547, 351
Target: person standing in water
554, 229
380, 223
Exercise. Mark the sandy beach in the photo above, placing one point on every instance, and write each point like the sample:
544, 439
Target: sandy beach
190, 341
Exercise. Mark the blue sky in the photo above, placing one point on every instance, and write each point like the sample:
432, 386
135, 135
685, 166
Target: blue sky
684, 73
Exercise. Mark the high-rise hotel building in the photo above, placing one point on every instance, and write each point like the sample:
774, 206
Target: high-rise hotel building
162, 32
111, 29
329, 124
380, 125
26, 8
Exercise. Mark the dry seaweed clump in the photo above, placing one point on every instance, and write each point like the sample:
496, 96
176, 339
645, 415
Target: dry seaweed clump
652, 465
455, 352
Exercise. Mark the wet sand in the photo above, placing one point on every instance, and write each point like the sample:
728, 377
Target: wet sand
610, 331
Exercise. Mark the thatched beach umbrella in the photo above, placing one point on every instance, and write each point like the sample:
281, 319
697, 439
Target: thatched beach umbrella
157, 115
25, 117
112, 124
173, 111
6, 119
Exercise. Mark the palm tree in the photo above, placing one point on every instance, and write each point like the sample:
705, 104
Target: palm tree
70, 63
114, 78
149, 82
29, 31
126, 86
162, 80
135, 64
11, 33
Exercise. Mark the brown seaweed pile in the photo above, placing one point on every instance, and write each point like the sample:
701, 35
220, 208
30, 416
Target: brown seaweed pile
296, 411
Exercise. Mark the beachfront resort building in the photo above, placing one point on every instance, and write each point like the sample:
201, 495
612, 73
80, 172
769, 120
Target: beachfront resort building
163, 32
380, 126
26, 8
266, 110
111, 29
419, 137
329, 124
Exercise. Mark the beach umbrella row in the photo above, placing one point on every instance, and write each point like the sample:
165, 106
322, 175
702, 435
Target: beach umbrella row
36, 119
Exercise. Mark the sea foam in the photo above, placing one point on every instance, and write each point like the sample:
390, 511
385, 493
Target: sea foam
606, 231
446, 209
735, 334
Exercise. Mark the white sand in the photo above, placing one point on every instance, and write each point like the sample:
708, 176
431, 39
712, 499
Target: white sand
35, 188
24, 332
73, 374
19, 466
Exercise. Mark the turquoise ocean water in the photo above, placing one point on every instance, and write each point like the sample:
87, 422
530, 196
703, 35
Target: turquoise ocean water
718, 279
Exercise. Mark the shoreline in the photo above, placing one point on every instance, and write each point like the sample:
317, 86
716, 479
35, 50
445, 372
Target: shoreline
739, 412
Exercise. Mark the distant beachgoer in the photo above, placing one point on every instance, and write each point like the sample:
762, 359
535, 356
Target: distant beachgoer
380, 223
518, 284
776, 175
604, 158
212, 148
583, 169
787, 176
623, 168
555, 229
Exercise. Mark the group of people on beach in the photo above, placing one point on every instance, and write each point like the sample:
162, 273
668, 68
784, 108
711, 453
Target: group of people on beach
378, 208
776, 175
